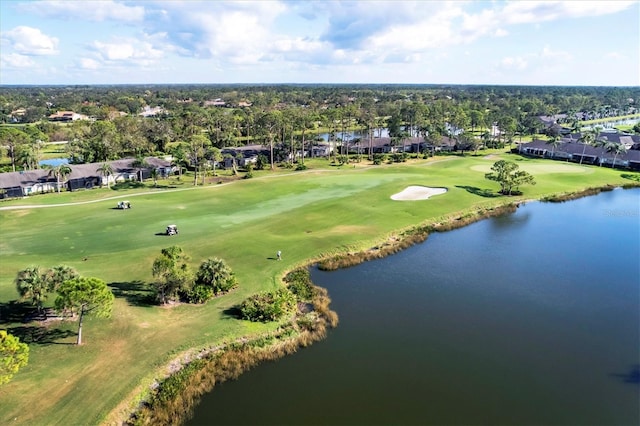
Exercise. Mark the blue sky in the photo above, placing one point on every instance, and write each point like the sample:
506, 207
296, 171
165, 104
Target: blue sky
423, 42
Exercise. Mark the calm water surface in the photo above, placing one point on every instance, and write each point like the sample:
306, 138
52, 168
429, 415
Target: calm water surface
527, 319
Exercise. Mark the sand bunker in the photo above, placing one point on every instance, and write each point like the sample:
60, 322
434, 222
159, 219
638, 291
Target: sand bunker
412, 193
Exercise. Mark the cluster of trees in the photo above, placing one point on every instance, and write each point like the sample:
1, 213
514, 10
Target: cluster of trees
175, 280
23, 146
284, 118
76, 295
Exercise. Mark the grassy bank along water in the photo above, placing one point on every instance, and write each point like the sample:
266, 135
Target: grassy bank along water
414, 235
568, 196
171, 400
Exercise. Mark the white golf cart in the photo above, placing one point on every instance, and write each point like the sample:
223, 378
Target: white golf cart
172, 230
124, 205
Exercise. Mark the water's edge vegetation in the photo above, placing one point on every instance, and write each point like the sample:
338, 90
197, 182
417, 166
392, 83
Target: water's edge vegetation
172, 399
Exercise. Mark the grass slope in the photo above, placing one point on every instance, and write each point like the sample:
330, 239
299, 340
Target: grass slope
308, 215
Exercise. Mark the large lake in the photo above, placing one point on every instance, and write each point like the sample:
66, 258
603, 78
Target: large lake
526, 319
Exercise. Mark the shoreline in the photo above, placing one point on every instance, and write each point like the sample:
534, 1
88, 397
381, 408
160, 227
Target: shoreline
205, 367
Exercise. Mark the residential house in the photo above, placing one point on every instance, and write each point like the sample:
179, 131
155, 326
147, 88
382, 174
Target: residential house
148, 111
82, 176
67, 116
571, 149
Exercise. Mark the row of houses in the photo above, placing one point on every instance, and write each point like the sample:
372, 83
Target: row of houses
570, 148
244, 155
82, 176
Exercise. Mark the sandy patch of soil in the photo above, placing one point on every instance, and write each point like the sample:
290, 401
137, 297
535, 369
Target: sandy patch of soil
413, 193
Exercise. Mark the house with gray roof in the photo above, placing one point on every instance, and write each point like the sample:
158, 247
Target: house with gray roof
570, 149
82, 176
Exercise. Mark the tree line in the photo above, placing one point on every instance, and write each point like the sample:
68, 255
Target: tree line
284, 118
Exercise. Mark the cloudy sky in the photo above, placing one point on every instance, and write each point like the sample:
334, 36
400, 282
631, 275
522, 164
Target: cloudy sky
367, 41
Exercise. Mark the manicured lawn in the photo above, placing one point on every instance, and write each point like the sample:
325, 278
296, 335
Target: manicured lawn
305, 214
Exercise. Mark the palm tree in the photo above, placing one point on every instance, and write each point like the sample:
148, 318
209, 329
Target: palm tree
617, 148
215, 273
179, 159
31, 285
140, 163
107, 171
154, 176
55, 276
590, 137
60, 171
554, 141
576, 125
28, 157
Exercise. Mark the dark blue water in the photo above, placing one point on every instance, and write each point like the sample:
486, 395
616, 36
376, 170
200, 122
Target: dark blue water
527, 319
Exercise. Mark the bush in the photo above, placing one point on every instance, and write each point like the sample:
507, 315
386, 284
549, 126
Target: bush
216, 275
249, 173
301, 166
269, 306
129, 184
299, 283
199, 294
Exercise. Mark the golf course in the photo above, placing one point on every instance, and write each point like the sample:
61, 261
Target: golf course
308, 215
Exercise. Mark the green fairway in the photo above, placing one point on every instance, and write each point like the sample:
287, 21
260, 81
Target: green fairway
306, 215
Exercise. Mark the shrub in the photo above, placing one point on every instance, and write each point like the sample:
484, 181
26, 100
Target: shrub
199, 294
301, 166
299, 283
216, 275
249, 173
269, 306
378, 159
129, 184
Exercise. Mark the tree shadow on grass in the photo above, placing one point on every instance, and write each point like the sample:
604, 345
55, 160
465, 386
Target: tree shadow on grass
137, 293
233, 312
41, 335
15, 311
631, 377
487, 193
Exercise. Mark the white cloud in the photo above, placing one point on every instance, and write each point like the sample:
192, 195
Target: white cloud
500, 33
554, 55
354, 25
615, 55
30, 41
94, 10
513, 63
14, 60
126, 50
237, 32
89, 64
114, 51
520, 12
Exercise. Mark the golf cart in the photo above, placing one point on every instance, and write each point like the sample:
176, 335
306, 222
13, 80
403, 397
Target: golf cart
124, 205
172, 230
